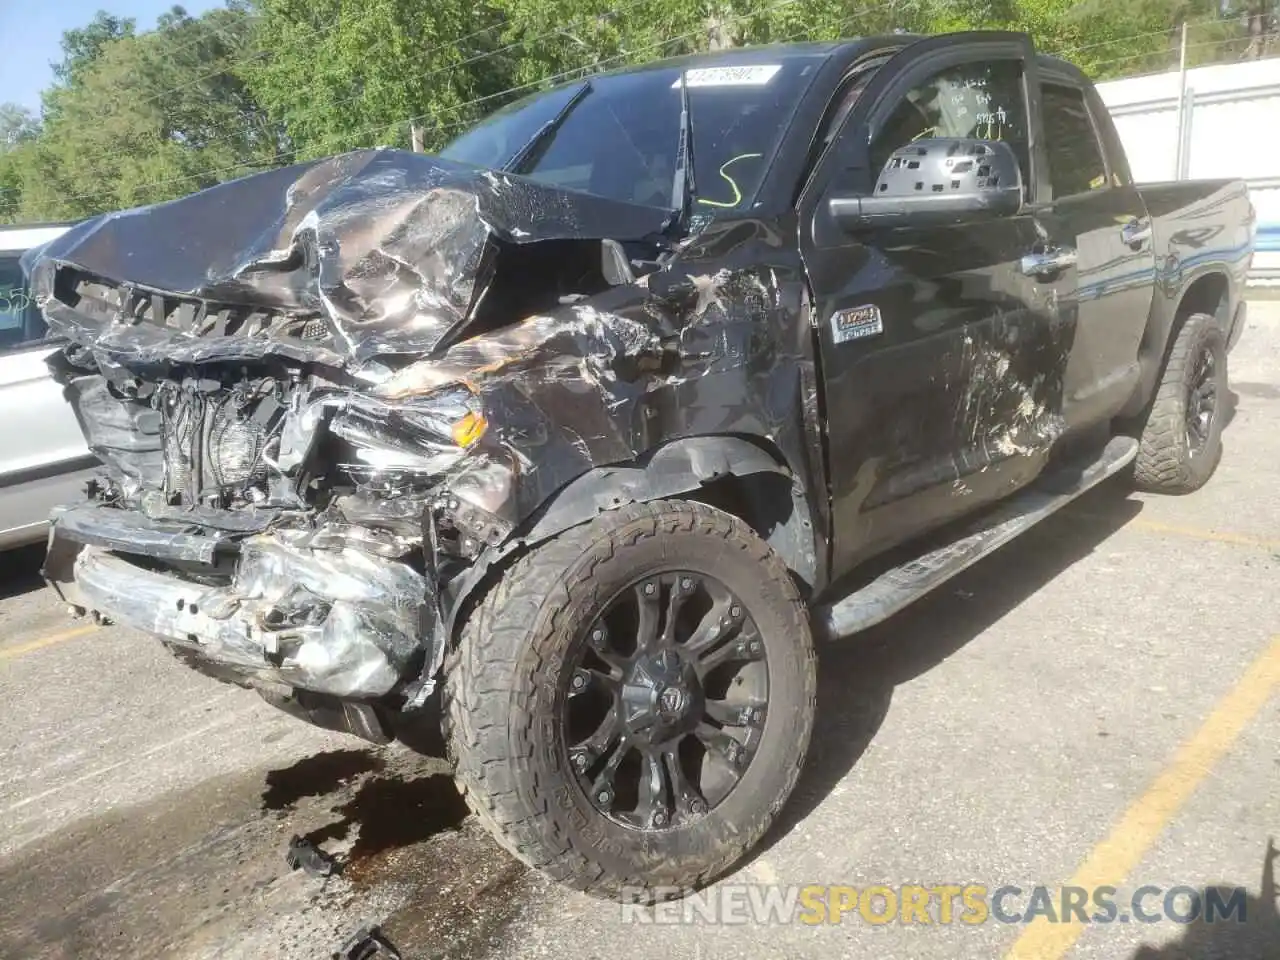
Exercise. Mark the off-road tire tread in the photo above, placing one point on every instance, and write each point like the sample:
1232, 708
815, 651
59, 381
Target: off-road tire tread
1163, 463
483, 693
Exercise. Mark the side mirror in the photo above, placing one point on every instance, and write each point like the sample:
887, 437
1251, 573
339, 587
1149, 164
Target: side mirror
942, 180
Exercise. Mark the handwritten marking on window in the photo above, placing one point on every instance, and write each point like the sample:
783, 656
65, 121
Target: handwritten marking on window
994, 122
14, 301
737, 194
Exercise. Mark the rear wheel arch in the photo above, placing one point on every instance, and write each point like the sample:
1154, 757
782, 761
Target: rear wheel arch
1208, 293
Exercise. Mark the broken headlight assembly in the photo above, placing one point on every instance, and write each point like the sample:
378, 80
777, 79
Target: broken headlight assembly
452, 411
421, 435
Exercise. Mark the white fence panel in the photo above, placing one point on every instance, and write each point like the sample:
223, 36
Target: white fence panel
1230, 128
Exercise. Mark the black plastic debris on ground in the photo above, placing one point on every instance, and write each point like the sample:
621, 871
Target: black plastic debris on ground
365, 943
305, 855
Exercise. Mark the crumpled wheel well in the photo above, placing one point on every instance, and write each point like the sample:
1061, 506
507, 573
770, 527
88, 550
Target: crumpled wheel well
764, 501
746, 477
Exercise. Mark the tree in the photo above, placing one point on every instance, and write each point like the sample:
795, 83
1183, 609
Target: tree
138, 117
148, 117
83, 45
17, 125
341, 75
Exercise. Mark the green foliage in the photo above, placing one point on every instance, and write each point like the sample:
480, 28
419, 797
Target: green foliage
17, 125
136, 117
143, 118
341, 74
82, 45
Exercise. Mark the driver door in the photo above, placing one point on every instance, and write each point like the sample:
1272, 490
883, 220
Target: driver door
941, 362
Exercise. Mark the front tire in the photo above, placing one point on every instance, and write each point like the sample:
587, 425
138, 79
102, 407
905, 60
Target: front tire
630, 705
1181, 441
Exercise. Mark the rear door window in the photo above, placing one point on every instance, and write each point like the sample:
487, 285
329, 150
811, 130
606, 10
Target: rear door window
1075, 158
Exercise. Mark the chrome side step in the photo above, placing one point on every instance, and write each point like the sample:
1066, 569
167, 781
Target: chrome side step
894, 589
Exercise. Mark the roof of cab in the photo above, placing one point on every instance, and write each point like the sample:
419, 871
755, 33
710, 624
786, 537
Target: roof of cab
763, 53
850, 47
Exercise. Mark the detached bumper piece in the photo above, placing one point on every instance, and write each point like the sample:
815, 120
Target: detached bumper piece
365, 944
305, 855
338, 621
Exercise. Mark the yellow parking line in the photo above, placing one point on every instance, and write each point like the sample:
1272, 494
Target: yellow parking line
1199, 533
12, 653
1116, 857
1193, 533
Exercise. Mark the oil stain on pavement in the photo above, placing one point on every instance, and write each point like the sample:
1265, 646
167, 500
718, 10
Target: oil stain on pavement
202, 872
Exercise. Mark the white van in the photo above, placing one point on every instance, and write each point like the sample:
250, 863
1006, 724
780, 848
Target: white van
43, 457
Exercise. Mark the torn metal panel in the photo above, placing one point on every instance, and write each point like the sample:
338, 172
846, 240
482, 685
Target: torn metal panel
356, 717
367, 943
114, 529
394, 381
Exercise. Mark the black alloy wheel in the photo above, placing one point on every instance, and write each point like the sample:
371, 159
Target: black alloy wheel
666, 701
1202, 401
1180, 435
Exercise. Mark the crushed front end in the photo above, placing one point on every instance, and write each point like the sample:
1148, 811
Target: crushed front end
238, 525
330, 400
269, 520
295, 432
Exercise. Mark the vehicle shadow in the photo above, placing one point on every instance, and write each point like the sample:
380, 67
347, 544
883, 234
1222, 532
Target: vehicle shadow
1255, 935
20, 570
1230, 406
857, 676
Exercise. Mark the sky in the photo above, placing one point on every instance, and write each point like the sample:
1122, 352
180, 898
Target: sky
33, 30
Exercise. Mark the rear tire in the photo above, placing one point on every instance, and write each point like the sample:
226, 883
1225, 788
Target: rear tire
548, 645
1181, 441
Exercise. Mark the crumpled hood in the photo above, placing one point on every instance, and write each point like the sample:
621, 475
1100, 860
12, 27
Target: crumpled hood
392, 249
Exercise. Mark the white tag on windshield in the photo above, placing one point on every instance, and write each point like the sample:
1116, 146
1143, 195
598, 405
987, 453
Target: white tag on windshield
753, 75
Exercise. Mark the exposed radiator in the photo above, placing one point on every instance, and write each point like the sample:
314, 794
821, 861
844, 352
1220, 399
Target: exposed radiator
214, 442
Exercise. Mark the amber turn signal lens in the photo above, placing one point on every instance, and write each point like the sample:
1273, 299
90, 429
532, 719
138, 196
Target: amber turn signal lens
469, 429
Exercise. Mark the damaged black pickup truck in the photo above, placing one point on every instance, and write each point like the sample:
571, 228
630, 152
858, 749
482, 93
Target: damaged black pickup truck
596, 419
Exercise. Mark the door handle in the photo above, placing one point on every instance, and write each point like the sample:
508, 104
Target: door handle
1047, 263
1136, 232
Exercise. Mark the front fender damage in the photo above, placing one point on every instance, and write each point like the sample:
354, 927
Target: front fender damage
322, 428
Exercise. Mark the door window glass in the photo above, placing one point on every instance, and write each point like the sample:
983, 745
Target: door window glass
1075, 159
19, 319
979, 101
